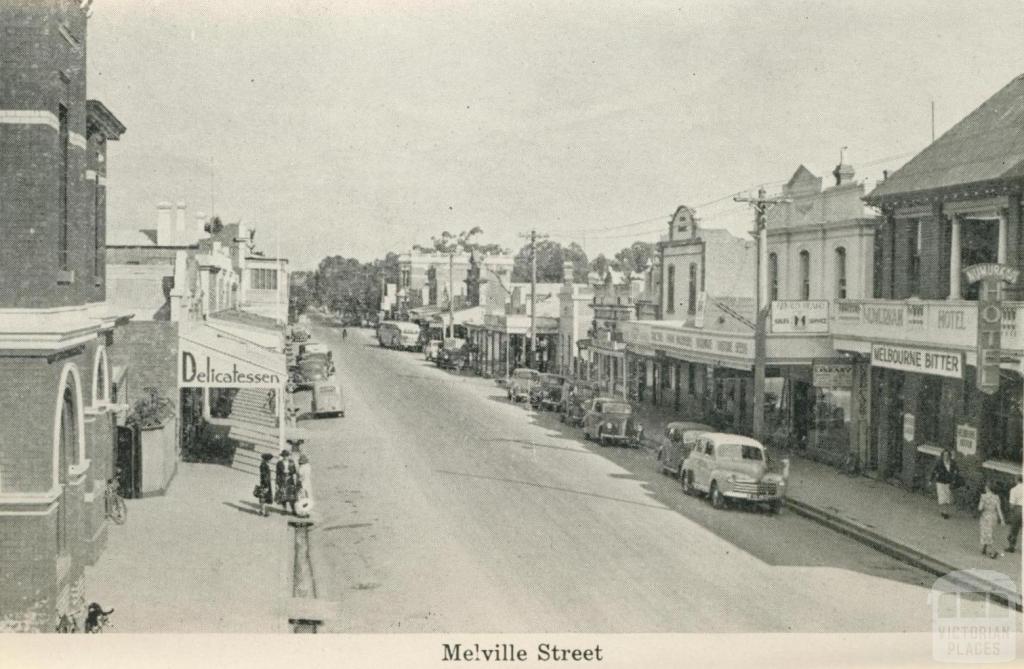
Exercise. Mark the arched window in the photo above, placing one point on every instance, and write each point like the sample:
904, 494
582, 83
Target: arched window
68, 444
773, 276
840, 271
691, 298
670, 290
100, 378
805, 275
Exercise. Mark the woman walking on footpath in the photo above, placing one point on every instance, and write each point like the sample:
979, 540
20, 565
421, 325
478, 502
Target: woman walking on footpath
305, 477
286, 482
945, 476
265, 491
991, 512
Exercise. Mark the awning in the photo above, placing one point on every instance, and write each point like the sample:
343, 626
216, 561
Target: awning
211, 358
264, 332
470, 316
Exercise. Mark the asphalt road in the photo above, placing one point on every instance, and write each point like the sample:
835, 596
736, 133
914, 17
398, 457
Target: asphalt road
441, 507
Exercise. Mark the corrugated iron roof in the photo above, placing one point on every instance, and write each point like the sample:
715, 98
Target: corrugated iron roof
986, 145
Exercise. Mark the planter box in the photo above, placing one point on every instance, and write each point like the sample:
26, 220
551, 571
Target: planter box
159, 450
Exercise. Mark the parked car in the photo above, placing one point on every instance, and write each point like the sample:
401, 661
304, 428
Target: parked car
431, 348
574, 403
454, 354
610, 420
310, 371
732, 467
521, 382
300, 334
327, 399
547, 395
675, 444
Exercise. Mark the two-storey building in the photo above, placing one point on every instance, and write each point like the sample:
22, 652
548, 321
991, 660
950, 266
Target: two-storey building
56, 328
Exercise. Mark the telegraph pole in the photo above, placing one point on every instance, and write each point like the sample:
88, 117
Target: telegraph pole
533, 237
761, 205
451, 294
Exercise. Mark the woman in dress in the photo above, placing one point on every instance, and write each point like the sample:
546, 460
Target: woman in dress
945, 475
991, 512
266, 492
305, 477
286, 481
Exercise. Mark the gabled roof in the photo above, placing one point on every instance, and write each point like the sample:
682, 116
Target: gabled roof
987, 145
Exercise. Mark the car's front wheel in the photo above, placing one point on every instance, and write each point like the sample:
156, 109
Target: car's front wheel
717, 498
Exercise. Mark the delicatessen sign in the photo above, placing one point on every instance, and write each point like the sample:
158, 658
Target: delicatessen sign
920, 360
226, 364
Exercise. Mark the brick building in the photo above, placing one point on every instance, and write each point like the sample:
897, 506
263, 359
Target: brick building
56, 330
955, 205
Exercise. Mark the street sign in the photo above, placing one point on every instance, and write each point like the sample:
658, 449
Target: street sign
799, 316
937, 362
909, 425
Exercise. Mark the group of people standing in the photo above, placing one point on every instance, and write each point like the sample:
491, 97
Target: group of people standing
946, 477
292, 481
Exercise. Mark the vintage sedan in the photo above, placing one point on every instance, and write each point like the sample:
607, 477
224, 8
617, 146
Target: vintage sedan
454, 354
547, 395
521, 382
610, 420
431, 348
675, 444
574, 403
327, 399
732, 467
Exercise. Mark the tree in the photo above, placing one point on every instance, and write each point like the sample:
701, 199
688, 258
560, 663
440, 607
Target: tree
462, 242
634, 259
551, 257
301, 293
600, 265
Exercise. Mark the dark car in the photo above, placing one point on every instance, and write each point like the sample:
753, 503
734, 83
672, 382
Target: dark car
453, 354
610, 420
309, 372
575, 400
547, 395
676, 444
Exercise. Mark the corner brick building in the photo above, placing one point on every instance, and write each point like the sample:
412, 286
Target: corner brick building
56, 410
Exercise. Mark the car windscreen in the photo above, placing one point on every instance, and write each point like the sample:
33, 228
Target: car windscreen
740, 452
616, 408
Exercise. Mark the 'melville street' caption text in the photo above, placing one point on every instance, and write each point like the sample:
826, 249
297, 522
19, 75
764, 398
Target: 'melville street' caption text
510, 652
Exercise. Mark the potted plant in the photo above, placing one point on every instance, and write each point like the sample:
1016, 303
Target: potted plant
150, 412
152, 416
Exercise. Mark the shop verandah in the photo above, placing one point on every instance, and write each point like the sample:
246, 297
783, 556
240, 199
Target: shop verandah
502, 344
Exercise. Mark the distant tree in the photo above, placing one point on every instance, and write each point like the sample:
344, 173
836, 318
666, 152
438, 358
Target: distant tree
551, 257
634, 259
600, 265
462, 242
301, 293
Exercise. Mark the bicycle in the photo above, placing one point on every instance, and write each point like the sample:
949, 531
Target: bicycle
114, 504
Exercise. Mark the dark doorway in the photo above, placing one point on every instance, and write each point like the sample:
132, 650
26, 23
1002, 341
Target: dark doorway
128, 462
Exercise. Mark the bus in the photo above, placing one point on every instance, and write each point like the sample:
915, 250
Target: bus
399, 334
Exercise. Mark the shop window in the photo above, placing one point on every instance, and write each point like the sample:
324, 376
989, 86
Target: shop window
670, 290
840, 271
263, 279
773, 276
929, 404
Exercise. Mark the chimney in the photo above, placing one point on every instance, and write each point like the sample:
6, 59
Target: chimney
843, 172
164, 231
181, 235
201, 225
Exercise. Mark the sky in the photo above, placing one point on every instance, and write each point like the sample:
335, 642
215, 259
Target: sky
358, 128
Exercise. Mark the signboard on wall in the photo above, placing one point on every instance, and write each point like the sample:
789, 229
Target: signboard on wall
936, 362
702, 304
833, 375
210, 359
967, 439
990, 319
799, 316
909, 427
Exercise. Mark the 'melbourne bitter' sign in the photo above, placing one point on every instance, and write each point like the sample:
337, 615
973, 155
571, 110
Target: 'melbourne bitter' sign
923, 361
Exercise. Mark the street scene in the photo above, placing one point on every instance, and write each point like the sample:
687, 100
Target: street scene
402, 319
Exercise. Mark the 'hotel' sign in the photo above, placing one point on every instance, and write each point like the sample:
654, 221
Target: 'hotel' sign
990, 319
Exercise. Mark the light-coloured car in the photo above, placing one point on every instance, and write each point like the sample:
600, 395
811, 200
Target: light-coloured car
732, 467
431, 348
327, 399
521, 382
675, 444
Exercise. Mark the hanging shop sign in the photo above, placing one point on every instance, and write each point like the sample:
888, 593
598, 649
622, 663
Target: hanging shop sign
833, 375
990, 319
702, 304
936, 362
967, 439
799, 316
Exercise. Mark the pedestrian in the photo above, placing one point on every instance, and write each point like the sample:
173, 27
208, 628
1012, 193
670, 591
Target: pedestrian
264, 491
991, 512
945, 476
1016, 499
286, 481
305, 477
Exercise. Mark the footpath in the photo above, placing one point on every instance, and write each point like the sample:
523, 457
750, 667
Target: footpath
198, 559
898, 522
